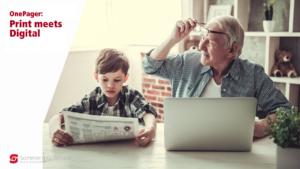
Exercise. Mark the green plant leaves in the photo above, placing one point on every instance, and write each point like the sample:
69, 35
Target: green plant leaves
286, 130
285, 144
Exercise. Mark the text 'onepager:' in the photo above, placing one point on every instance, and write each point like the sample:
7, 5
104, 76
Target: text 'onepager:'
36, 27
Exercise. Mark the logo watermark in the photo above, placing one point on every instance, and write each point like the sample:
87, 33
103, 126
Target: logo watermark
14, 158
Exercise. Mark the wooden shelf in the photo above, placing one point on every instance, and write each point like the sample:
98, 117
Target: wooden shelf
286, 80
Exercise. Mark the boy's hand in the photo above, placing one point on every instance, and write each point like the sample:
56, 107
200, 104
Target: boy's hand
61, 138
145, 136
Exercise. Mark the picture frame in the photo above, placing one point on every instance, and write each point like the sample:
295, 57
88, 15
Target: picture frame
216, 10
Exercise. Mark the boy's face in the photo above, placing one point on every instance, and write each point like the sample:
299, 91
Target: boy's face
111, 83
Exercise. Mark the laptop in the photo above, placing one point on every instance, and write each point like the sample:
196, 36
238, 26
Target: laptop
209, 124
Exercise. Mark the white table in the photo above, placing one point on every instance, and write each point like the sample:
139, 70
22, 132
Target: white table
127, 154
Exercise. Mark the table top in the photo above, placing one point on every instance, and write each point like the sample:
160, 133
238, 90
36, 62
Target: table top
128, 154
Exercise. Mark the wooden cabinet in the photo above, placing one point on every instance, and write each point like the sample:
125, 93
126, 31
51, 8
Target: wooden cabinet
259, 46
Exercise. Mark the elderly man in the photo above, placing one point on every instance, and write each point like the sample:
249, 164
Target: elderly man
216, 70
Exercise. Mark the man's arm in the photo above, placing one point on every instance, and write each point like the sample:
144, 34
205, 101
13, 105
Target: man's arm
259, 128
158, 63
269, 98
161, 52
180, 31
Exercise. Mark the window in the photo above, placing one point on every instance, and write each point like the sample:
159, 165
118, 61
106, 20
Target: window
143, 22
106, 23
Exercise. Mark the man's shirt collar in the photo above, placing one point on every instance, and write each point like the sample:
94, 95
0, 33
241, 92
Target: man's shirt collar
205, 69
234, 70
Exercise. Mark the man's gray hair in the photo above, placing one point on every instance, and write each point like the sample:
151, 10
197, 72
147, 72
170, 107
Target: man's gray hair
234, 29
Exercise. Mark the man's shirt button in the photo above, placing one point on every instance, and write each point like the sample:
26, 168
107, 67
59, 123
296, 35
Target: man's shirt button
224, 90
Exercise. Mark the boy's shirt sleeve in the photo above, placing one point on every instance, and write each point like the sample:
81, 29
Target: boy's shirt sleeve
139, 106
80, 107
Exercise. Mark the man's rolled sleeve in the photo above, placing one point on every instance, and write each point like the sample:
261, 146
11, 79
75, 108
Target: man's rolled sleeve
153, 64
164, 69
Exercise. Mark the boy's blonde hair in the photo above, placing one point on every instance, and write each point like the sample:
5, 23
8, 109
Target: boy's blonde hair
111, 60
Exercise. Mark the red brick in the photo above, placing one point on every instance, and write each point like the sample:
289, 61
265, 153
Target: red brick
161, 99
163, 82
158, 87
166, 94
149, 80
145, 74
157, 105
157, 111
159, 121
161, 111
152, 77
153, 92
169, 89
144, 91
145, 85
150, 97
159, 116
143, 55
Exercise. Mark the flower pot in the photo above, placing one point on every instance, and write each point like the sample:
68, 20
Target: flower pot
288, 158
268, 26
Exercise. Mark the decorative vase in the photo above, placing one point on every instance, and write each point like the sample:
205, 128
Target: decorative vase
268, 26
288, 158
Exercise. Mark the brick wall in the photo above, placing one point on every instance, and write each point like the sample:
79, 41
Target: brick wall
155, 90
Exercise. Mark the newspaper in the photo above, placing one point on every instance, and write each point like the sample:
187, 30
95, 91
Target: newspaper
92, 128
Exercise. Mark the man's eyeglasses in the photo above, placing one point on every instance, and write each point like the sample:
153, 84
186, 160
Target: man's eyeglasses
204, 31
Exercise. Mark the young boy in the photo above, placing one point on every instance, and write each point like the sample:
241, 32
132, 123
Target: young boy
110, 99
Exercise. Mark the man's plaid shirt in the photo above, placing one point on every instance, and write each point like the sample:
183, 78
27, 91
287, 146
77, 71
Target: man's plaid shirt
131, 104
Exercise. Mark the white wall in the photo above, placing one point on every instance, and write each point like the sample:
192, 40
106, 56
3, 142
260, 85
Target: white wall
75, 81
92, 30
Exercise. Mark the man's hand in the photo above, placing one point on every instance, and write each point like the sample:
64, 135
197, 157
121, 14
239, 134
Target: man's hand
183, 29
259, 130
145, 136
61, 138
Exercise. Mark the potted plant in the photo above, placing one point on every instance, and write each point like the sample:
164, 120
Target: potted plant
269, 24
286, 134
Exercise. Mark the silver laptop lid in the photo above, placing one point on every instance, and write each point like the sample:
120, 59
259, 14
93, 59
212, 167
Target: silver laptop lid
210, 124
